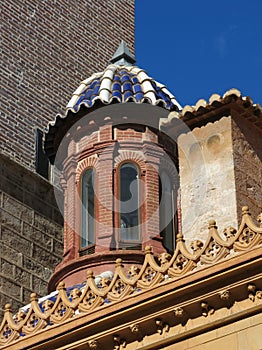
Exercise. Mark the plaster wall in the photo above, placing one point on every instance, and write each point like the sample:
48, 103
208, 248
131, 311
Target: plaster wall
207, 178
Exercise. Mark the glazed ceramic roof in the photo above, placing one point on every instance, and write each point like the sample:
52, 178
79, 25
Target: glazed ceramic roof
122, 83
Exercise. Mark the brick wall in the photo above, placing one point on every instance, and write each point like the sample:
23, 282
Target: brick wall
48, 47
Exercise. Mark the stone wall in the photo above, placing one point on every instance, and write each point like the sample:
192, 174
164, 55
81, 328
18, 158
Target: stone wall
244, 334
247, 153
207, 179
30, 234
220, 168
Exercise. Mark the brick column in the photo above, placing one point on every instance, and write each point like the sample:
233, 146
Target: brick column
151, 231
104, 189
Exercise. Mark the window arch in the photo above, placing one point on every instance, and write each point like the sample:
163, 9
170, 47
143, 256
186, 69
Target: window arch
129, 202
88, 206
166, 211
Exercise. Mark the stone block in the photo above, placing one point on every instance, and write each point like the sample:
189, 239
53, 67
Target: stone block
12, 189
58, 247
44, 224
39, 286
6, 268
37, 236
38, 204
36, 268
17, 208
26, 294
15, 240
13, 255
10, 220
22, 277
14, 289
42, 255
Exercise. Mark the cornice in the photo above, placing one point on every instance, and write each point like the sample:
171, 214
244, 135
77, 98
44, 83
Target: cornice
209, 111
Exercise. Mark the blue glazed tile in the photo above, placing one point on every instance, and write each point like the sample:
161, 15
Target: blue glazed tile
117, 94
123, 71
137, 88
127, 86
93, 84
139, 96
116, 78
96, 89
135, 80
116, 86
88, 94
162, 95
126, 83
81, 98
127, 94
125, 78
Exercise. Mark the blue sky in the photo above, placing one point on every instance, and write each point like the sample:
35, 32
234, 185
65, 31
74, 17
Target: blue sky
197, 48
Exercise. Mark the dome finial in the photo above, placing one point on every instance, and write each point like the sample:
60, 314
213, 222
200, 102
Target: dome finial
123, 56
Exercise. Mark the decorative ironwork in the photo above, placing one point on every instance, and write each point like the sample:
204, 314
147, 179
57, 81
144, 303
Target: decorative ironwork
152, 273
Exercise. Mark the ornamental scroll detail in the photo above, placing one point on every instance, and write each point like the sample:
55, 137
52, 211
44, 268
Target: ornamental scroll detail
153, 272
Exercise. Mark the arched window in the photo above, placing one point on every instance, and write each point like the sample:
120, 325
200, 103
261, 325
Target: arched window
166, 211
129, 203
87, 229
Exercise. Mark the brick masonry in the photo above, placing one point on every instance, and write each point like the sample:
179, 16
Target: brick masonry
105, 149
48, 47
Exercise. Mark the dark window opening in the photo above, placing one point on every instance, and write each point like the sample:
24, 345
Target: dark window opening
42, 165
88, 210
166, 211
129, 203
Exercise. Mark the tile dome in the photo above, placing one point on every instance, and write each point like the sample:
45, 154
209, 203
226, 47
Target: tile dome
122, 83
